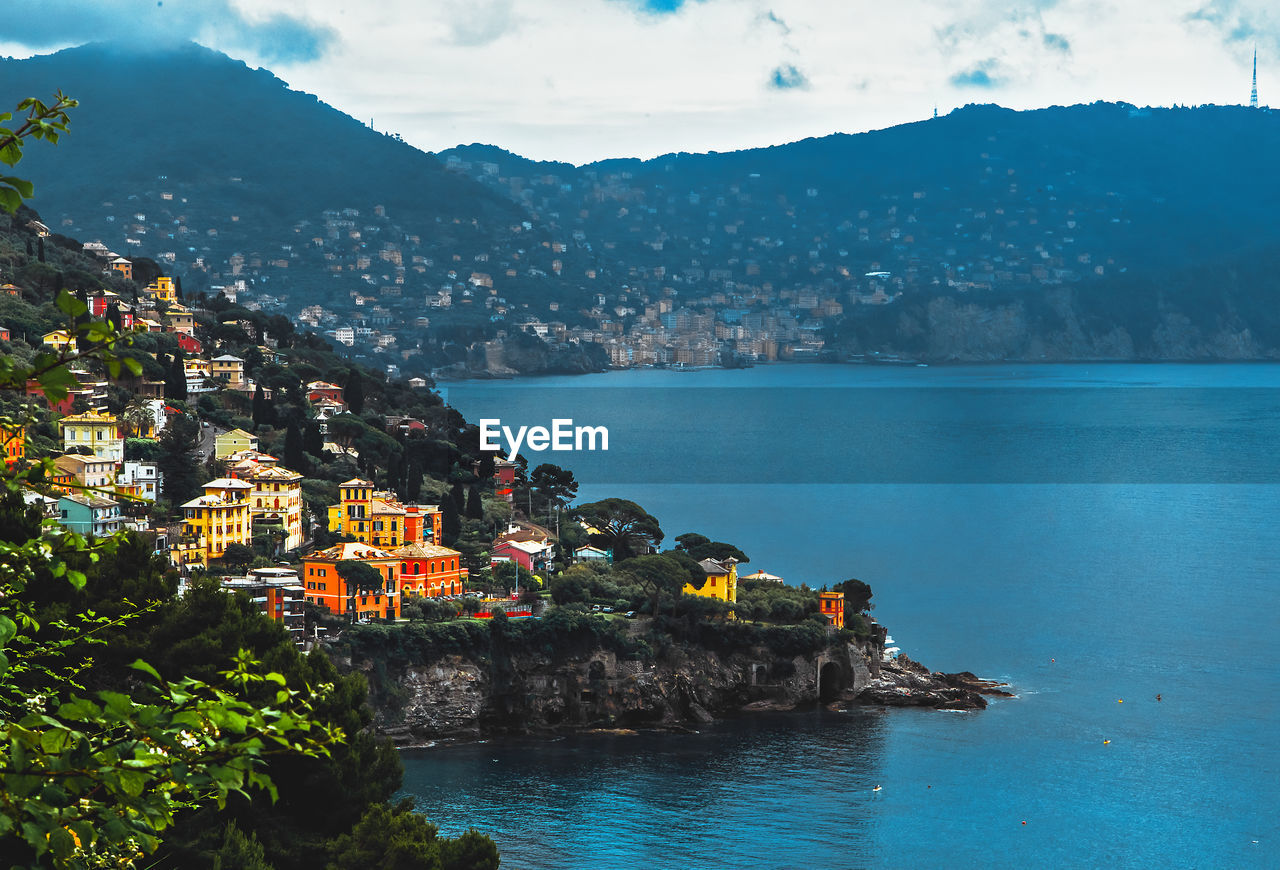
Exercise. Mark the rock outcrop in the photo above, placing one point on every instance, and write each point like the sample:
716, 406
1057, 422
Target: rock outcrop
457, 697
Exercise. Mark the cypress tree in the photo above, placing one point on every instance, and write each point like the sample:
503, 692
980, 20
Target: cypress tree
459, 498
40, 250
313, 438
259, 407
413, 481
175, 385
177, 286
353, 394
450, 522
475, 508
295, 458
30, 250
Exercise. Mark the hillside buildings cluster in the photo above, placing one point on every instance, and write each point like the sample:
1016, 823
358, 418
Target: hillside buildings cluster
698, 271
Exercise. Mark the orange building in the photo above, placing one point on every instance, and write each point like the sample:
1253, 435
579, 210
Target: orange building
15, 445
831, 605
325, 587
431, 571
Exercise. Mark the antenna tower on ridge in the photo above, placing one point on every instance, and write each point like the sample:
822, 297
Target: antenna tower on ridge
1253, 95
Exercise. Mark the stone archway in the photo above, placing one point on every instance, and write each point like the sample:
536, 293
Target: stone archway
831, 682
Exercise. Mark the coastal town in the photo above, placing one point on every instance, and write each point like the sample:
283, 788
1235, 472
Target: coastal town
263, 522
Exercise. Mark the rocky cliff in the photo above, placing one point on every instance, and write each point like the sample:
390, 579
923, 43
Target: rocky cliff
468, 696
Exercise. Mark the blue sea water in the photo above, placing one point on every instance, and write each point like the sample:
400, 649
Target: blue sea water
1095, 535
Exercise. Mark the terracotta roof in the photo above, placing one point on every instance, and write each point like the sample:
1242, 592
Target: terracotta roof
424, 551
350, 550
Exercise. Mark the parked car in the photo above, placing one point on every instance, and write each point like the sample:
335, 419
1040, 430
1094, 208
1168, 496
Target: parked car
595, 608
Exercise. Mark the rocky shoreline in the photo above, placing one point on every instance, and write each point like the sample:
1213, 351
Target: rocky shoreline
457, 698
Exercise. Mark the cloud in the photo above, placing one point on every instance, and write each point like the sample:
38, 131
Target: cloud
786, 77
277, 37
977, 76
1239, 21
771, 18
480, 22
1057, 42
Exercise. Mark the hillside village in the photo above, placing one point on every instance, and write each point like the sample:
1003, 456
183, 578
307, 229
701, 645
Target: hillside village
247, 451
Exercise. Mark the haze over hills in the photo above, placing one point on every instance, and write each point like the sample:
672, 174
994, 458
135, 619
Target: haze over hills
1099, 231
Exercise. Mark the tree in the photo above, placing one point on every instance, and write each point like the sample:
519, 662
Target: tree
554, 485
450, 521
313, 439
397, 838
662, 574
701, 547
353, 393
264, 414
237, 557
622, 526
475, 508
40, 249
857, 597
178, 460
359, 577
175, 381
295, 458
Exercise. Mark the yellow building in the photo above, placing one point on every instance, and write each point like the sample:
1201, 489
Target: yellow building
98, 431
228, 367
58, 339
721, 581
233, 441
162, 288
219, 517
196, 369
276, 495
379, 519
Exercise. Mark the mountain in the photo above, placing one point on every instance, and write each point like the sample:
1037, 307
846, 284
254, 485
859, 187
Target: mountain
1079, 232
1100, 230
199, 159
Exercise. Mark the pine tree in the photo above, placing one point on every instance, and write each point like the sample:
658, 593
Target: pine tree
353, 394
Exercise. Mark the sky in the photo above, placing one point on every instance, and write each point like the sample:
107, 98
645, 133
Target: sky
583, 80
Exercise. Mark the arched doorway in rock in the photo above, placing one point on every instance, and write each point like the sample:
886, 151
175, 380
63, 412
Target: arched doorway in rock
830, 682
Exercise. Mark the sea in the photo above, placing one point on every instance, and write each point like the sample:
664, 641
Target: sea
1102, 537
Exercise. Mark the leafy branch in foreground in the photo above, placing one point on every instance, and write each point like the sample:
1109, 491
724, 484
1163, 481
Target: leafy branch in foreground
43, 121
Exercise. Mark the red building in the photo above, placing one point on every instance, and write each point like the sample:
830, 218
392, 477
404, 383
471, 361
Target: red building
431, 571
504, 477
190, 343
317, 390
